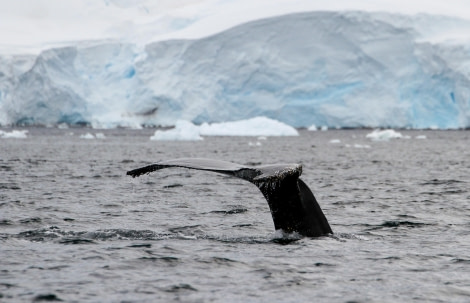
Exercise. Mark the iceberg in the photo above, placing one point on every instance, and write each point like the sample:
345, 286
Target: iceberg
258, 126
343, 69
16, 134
384, 135
361, 146
91, 136
312, 128
87, 136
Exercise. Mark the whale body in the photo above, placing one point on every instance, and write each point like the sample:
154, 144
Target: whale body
293, 205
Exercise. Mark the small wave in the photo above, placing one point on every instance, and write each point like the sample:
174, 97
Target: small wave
219, 261
164, 259
284, 241
278, 237
179, 288
459, 260
124, 234
41, 235
5, 222
30, 220
193, 232
345, 236
397, 224
190, 230
76, 241
47, 298
83, 237
444, 192
173, 185
125, 161
320, 264
402, 223
12, 186
6, 168
230, 211
144, 245
243, 225
441, 182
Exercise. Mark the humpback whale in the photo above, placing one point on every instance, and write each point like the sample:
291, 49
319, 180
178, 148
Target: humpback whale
293, 205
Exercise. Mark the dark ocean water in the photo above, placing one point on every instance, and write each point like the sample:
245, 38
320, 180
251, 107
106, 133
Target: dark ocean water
75, 228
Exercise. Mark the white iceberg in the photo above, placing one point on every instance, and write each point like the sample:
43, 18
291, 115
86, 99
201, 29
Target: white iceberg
258, 126
384, 135
87, 136
15, 134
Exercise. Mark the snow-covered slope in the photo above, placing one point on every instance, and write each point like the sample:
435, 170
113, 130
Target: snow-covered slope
338, 69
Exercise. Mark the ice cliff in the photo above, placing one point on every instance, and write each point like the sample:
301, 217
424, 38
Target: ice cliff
335, 69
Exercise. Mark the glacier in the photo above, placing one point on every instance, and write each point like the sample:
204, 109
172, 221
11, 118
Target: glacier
343, 69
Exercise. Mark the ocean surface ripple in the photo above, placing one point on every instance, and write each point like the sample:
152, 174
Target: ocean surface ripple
75, 228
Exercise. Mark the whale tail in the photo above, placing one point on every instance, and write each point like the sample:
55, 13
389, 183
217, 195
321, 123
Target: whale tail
293, 205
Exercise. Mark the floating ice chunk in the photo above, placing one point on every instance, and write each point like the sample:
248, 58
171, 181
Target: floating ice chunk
15, 134
384, 135
324, 128
90, 136
361, 146
420, 137
87, 136
335, 141
358, 145
258, 126
254, 143
183, 131
313, 128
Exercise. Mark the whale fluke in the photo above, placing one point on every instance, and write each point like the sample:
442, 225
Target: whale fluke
293, 205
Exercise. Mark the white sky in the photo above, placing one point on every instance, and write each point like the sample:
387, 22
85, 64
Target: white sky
32, 25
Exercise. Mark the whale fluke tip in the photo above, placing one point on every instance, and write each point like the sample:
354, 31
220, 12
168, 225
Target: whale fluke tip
142, 170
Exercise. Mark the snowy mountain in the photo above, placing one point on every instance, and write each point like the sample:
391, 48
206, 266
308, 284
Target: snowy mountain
335, 69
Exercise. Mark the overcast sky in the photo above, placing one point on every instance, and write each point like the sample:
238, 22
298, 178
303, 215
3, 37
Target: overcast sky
32, 25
